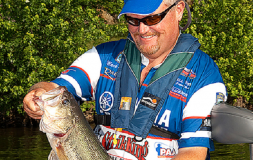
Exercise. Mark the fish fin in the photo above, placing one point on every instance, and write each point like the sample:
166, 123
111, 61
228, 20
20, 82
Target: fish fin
52, 156
61, 153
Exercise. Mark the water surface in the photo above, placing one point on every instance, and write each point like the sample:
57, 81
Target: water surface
31, 144
23, 144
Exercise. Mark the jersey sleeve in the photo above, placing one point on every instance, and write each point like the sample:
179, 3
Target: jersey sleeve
208, 89
82, 76
196, 116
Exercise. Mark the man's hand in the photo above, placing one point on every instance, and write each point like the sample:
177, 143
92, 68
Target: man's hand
30, 107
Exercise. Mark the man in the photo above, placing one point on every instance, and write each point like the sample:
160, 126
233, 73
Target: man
154, 91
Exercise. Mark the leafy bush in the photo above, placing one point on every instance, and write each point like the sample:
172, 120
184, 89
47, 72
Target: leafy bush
38, 39
225, 31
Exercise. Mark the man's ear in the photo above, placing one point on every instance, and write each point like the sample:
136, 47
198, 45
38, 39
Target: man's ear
180, 10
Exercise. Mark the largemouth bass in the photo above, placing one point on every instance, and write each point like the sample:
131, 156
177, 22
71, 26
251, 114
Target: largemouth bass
67, 130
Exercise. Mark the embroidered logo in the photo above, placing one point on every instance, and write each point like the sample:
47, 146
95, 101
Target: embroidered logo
178, 93
125, 144
110, 64
66, 71
192, 75
110, 74
185, 72
183, 83
188, 73
106, 101
150, 100
164, 151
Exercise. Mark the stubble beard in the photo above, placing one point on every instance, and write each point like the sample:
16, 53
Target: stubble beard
147, 50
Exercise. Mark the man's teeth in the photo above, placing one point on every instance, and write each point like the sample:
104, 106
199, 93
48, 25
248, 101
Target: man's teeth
147, 36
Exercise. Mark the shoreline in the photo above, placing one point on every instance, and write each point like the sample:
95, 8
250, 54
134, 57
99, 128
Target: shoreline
23, 120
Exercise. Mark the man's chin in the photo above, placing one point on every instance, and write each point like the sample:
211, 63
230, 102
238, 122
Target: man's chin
148, 50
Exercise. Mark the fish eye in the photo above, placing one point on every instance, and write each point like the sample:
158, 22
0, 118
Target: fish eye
65, 102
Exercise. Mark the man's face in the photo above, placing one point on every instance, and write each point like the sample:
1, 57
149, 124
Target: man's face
155, 40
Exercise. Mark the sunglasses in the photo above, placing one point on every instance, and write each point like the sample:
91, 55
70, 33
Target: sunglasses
149, 20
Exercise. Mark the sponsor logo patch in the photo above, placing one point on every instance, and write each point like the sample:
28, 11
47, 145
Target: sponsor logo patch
109, 74
206, 124
118, 58
179, 91
192, 75
150, 100
126, 144
125, 103
185, 72
106, 101
188, 73
220, 97
164, 151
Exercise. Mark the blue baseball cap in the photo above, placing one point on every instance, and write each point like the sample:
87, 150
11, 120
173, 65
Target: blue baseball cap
145, 7
142, 7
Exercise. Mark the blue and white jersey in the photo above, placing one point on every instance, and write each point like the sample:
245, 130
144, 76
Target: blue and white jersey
185, 112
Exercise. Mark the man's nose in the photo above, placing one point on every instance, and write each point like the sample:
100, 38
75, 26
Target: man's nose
143, 28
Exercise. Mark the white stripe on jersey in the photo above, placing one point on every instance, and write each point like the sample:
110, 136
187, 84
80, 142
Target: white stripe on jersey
206, 134
202, 101
74, 83
90, 62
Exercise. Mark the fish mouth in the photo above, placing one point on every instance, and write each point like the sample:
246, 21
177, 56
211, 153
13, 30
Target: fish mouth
50, 98
62, 135
57, 139
50, 95
49, 103
59, 134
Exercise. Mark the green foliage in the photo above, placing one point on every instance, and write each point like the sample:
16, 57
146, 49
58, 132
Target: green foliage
38, 39
225, 31
230, 151
86, 106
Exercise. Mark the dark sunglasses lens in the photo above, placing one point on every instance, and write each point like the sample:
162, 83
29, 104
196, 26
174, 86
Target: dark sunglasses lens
153, 20
132, 21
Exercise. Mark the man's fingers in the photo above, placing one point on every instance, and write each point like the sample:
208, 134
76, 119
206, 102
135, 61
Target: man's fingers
38, 92
30, 107
33, 114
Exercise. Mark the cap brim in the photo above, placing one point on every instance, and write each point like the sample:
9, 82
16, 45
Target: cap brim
141, 7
